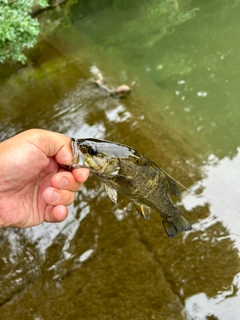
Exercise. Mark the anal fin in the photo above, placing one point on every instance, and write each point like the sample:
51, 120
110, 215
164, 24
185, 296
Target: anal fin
142, 210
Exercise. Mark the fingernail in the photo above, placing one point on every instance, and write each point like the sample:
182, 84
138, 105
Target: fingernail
63, 182
55, 196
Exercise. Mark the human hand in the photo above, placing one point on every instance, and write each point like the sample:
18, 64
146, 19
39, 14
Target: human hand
33, 186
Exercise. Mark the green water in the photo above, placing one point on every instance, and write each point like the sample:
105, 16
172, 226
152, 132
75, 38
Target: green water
104, 262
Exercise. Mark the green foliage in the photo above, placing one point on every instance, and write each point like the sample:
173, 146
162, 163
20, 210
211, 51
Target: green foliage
18, 30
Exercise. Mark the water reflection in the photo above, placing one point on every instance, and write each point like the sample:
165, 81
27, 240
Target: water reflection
104, 261
93, 241
220, 191
224, 306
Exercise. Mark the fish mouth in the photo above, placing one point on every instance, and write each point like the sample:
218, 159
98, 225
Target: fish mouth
78, 158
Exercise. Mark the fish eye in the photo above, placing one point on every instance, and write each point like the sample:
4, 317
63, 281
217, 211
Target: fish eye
92, 151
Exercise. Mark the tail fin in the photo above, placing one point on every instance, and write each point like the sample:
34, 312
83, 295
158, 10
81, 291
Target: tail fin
176, 222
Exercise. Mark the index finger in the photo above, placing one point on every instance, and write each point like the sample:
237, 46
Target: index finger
81, 174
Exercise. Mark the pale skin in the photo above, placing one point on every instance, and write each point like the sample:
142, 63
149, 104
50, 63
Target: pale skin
33, 186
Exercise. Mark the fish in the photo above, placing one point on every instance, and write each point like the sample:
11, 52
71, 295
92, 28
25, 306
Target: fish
124, 170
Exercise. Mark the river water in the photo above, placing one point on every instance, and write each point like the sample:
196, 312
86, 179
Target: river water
104, 261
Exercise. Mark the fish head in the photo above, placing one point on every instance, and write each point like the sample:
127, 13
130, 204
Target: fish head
92, 154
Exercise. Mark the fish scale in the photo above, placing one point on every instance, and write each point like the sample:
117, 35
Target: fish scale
124, 170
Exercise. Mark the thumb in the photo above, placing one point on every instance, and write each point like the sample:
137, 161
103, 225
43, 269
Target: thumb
52, 144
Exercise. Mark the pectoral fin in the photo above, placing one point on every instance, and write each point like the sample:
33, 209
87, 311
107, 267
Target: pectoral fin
142, 210
112, 193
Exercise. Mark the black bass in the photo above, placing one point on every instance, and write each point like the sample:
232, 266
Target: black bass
123, 169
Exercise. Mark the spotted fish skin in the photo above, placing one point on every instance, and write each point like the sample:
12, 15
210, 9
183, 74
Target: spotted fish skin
124, 170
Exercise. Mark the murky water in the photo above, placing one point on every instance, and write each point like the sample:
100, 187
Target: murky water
104, 262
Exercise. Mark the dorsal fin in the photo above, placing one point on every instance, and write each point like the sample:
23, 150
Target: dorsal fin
172, 185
